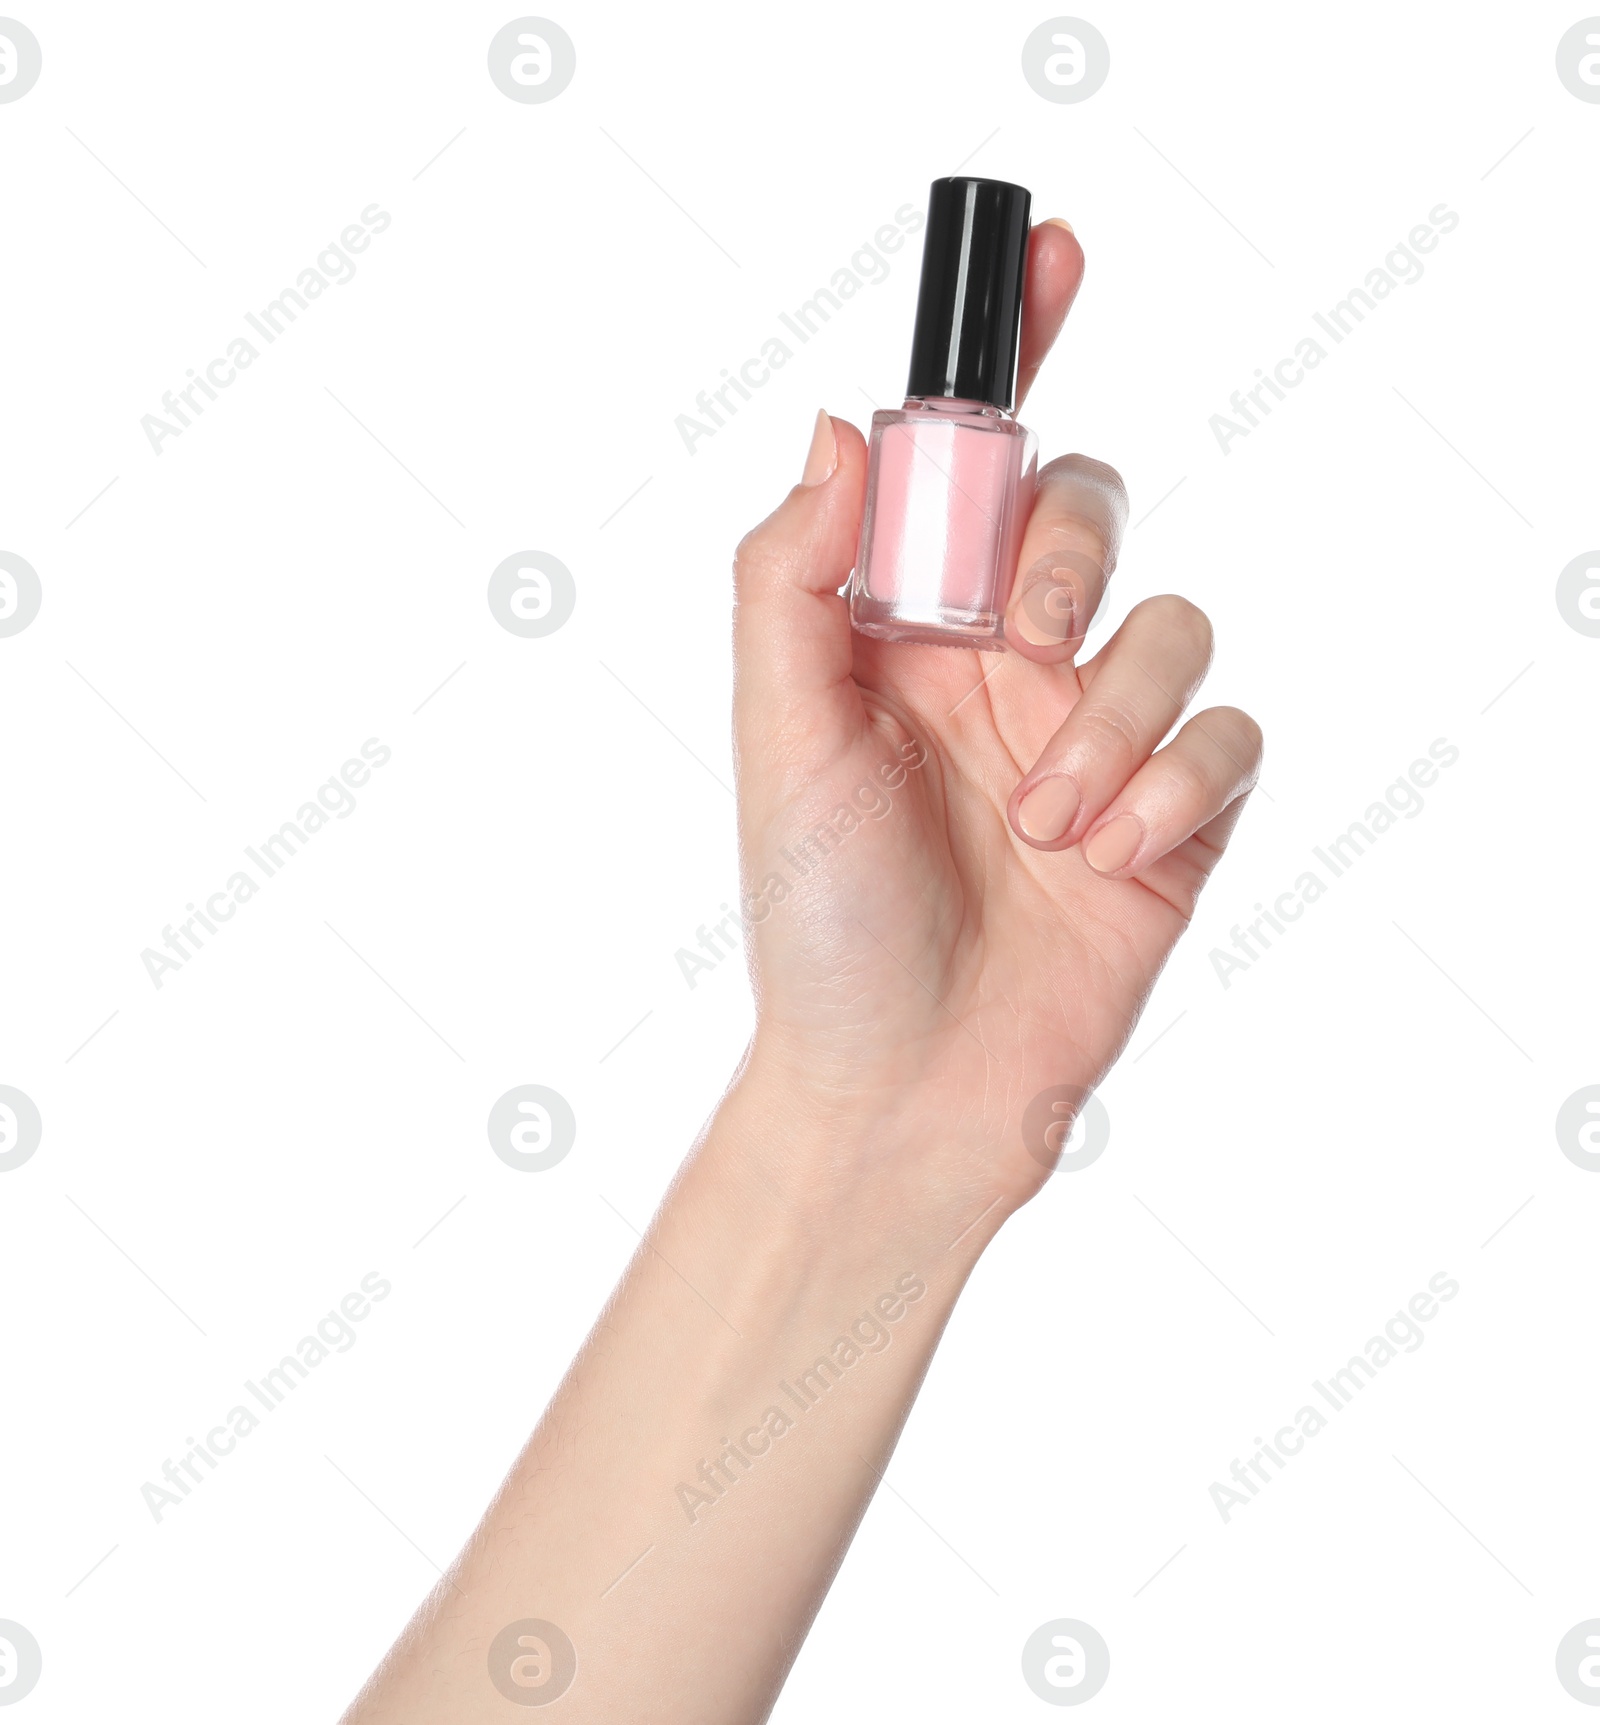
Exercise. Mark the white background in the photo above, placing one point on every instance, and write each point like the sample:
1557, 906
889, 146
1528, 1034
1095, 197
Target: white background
1360, 1109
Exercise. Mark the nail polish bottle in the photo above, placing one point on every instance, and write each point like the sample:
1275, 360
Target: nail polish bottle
950, 475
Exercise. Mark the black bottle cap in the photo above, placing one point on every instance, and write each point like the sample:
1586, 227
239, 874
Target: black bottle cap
969, 306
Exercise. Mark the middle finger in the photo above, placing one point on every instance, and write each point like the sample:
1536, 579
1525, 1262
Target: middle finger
1069, 549
1135, 690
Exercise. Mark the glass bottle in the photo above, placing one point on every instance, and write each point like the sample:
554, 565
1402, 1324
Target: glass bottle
950, 475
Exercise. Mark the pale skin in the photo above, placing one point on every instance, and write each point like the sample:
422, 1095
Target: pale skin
1021, 860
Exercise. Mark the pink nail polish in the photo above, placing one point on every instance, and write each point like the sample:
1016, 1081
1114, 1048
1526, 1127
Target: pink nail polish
950, 475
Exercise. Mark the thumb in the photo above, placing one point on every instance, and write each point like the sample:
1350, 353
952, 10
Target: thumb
792, 640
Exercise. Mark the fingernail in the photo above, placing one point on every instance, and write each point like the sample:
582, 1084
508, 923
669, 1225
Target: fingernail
823, 454
1047, 810
1047, 615
1112, 846
1061, 222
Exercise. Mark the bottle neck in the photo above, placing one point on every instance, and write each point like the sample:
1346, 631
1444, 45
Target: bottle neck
955, 408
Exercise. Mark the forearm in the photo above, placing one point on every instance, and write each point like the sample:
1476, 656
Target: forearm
980, 872
719, 1435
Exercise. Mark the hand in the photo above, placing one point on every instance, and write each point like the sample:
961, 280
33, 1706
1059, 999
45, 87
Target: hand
962, 871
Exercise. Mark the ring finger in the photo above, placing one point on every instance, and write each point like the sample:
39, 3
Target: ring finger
1203, 771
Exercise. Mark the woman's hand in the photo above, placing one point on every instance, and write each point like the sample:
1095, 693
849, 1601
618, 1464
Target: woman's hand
941, 930
963, 872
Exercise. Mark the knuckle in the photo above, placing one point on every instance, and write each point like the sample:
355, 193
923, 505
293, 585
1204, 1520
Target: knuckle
754, 557
1192, 785
1183, 621
1053, 600
1080, 541
1111, 484
1251, 739
1085, 471
1235, 743
1109, 729
1085, 507
1075, 555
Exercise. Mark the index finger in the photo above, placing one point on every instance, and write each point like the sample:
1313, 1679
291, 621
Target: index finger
1055, 272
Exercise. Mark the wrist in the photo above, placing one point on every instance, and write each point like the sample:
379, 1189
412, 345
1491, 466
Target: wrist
851, 1174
